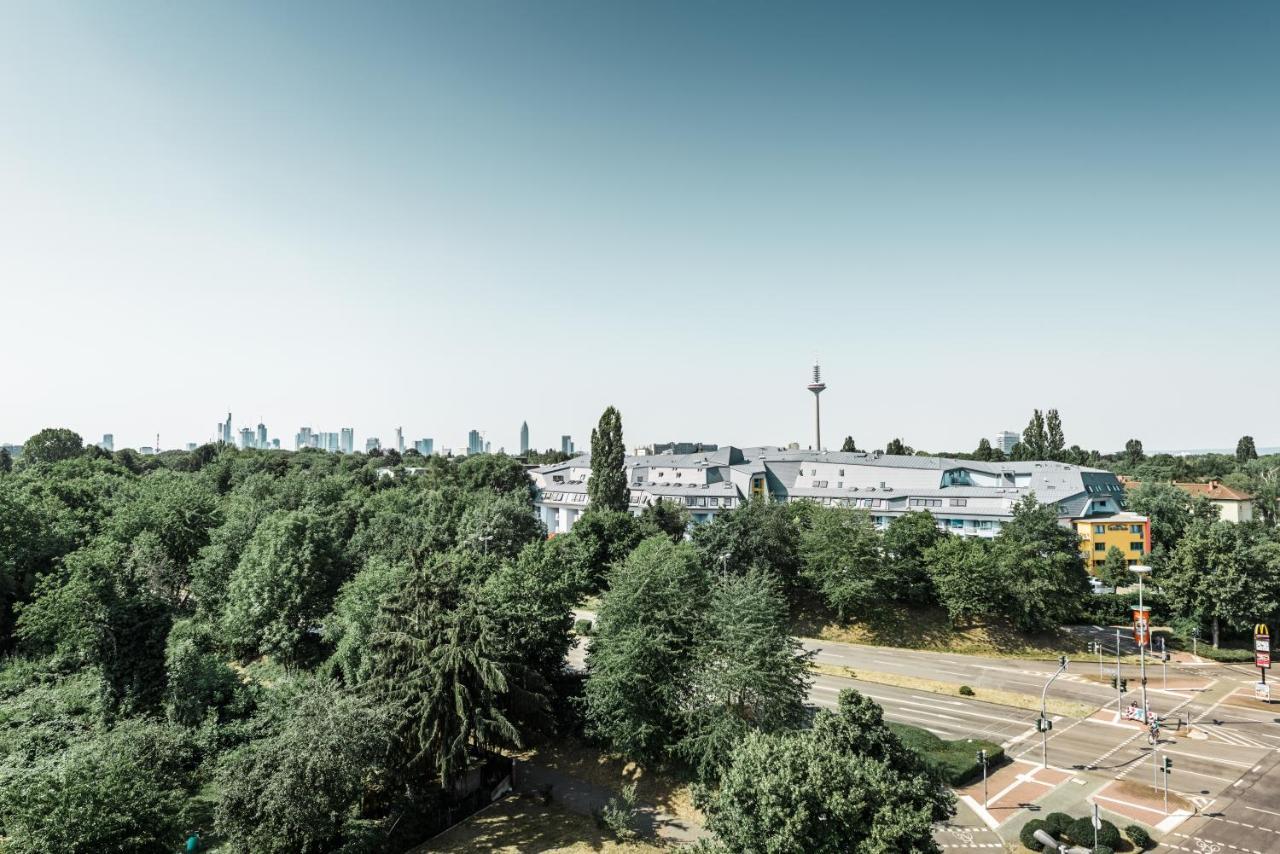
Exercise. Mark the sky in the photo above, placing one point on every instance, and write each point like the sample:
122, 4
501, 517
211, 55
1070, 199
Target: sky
456, 215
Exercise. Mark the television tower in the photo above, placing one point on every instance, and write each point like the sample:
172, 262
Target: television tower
817, 387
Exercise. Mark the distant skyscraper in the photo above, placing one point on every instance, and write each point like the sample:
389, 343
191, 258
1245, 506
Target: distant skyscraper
347, 444
400, 440
262, 435
475, 444
217, 436
226, 429
302, 439
1005, 440
372, 443
108, 442
424, 446
191, 446
524, 438
246, 437
566, 445
275, 444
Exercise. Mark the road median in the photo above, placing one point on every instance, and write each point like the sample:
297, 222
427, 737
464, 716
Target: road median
1000, 697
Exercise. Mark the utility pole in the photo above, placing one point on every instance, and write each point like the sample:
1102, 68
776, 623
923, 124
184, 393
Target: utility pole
1044, 724
1164, 664
1143, 634
1119, 686
1195, 642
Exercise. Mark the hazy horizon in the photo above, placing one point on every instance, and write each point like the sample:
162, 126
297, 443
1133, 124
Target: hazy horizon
454, 216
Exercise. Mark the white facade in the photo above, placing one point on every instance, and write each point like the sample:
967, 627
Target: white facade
965, 496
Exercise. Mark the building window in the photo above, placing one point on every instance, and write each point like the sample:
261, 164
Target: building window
959, 502
1099, 529
1135, 529
957, 523
1137, 547
1099, 547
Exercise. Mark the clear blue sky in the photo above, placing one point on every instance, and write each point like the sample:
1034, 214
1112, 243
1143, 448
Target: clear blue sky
466, 214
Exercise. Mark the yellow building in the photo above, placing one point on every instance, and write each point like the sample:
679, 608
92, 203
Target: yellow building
1128, 532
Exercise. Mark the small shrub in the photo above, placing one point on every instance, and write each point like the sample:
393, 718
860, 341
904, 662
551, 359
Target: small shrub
1080, 832
619, 816
966, 691
1028, 834
583, 627
1138, 836
1058, 822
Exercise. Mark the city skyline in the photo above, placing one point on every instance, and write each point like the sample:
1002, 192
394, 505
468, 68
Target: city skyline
969, 211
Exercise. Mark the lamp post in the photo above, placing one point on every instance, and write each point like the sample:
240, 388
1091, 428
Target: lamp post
1140, 571
1044, 724
982, 758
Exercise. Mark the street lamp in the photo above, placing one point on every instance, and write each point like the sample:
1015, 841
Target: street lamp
1044, 724
1141, 571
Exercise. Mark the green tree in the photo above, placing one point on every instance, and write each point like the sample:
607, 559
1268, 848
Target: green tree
1041, 562
906, 542
440, 668
497, 473
196, 677
6, 461
1246, 450
847, 784
665, 517
645, 637
607, 488
983, 452
52, 445
1133, 452
350, 625
1115, 569
842, 560
120, 790
1168, 508
967, 578
757, 533
282, 586
1035, 440
898, 448
748, 673
499, 525
1055, 441
1219, 574
298, 788
97, 612
849, 446
604, 538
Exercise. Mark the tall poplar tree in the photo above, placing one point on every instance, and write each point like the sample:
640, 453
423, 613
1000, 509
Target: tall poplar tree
1055, 441
1035, 443
1246, 450
607, 489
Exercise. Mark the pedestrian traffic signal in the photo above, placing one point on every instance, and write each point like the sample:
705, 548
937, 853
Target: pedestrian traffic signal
1044, 724
1124, 685
1168, 765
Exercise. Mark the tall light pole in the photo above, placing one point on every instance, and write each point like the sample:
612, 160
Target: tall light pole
817, 387
1143, 636
1044, 725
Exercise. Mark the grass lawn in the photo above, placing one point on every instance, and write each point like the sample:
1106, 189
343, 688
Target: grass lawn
524, 824
929, 629
955, 759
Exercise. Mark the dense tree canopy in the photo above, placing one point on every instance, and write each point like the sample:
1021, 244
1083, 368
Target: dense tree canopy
607, 488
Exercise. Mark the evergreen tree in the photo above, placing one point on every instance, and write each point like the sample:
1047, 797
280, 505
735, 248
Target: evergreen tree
6, 461
1115, 569
1056, 442
849, 445
983, 453
1133, 452
898, 448
1245, 450
607, 488
1035, 442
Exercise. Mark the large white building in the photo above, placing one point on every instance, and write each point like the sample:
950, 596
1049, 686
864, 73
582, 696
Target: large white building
965, 496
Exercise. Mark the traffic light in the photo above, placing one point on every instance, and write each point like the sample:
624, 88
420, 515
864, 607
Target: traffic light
1168, 765
1124, 685
1044, 724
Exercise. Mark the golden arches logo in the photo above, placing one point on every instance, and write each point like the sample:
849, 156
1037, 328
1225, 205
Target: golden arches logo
1261, 630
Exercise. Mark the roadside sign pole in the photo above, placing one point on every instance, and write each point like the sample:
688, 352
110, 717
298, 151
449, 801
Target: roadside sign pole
1043, 723
1097, 824
982, 757
1195, 642
1098, 644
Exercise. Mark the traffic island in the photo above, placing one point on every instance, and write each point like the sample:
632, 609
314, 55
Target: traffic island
1013, 788
1140, 802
